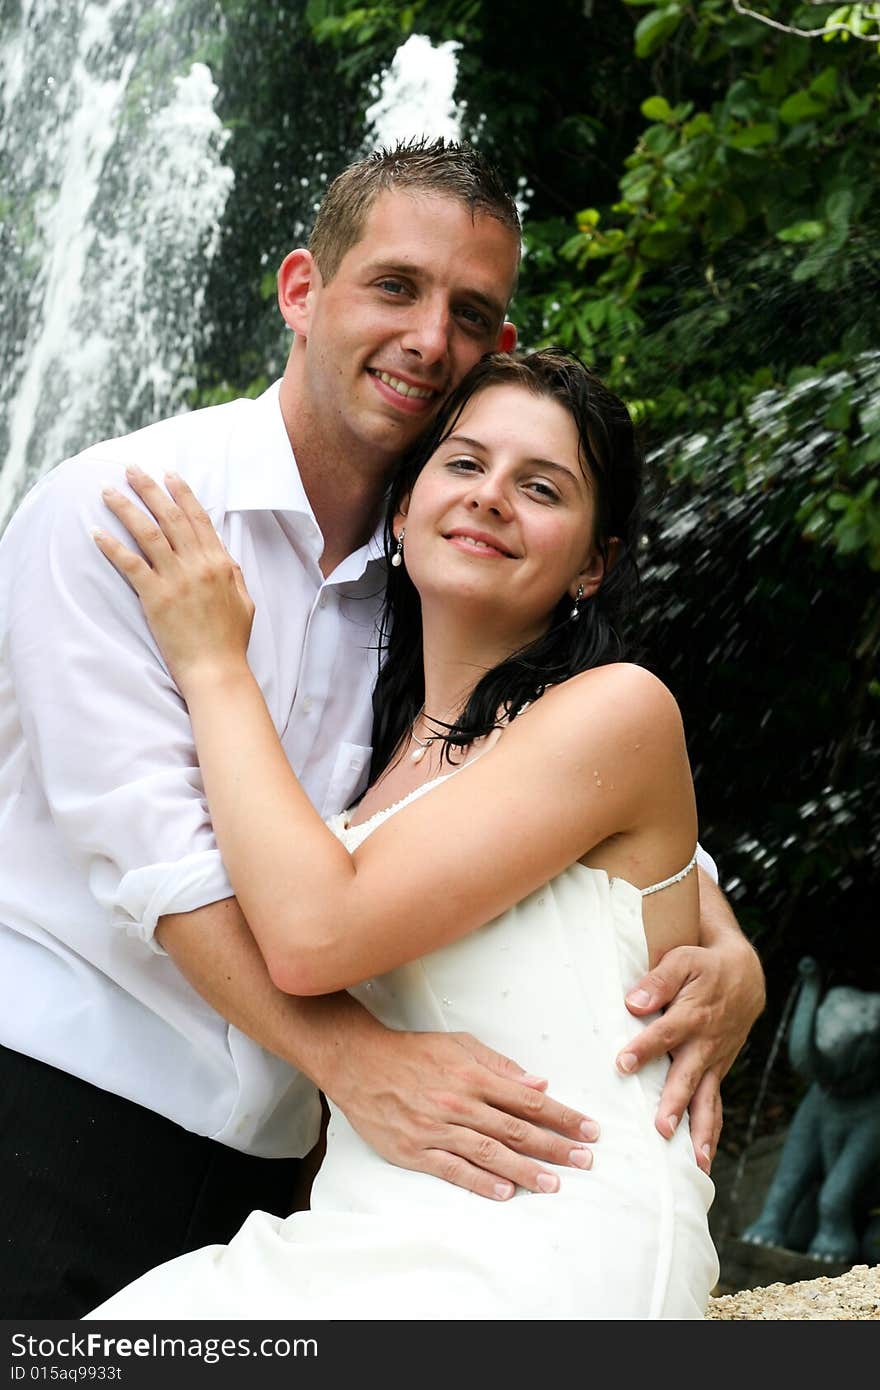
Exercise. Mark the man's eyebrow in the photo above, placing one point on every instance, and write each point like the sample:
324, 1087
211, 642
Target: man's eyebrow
548, 464
418, 272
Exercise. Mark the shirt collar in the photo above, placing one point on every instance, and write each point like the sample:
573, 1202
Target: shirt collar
262, 475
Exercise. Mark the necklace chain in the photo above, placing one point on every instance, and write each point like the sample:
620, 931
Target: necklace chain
424, 744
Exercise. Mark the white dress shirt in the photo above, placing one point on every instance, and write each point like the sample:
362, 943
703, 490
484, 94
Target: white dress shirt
104, 827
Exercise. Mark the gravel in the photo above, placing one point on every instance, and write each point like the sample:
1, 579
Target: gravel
851, 1297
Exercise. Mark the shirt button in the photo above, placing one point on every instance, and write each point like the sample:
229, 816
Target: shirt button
307, 705
322, 601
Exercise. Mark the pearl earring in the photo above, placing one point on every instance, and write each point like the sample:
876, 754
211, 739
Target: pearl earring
397, 557
576, 612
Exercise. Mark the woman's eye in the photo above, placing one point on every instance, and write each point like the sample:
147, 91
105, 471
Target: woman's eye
544, 491
463, 465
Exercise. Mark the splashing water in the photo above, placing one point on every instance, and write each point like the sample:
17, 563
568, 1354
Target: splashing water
416, 93
113, 193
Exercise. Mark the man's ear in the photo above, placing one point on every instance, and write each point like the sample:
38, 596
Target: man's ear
298, 280
506, 337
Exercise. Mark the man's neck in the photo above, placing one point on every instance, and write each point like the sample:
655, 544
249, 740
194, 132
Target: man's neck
346, 490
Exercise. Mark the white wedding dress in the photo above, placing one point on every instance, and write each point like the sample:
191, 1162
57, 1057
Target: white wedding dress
543, 983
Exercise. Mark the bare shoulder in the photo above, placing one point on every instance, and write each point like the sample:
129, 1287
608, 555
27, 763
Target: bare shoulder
621, 699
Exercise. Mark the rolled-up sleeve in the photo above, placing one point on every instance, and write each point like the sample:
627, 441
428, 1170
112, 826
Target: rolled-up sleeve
707, 863
105, 727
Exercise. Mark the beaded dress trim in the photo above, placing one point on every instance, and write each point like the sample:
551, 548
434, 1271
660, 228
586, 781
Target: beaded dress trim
668, 882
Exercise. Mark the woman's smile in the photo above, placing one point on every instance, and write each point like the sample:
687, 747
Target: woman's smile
479, 543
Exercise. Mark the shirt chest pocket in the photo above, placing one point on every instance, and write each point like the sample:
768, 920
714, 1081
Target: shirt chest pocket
348, 778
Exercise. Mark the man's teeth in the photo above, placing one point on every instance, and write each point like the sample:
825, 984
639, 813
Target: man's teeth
402, 389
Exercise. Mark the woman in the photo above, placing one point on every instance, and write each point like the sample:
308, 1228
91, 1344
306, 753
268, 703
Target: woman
530, 798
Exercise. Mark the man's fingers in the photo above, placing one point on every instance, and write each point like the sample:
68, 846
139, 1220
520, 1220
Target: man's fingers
659, 986
682, 1081
498, 1062
706, 1115
664, 1035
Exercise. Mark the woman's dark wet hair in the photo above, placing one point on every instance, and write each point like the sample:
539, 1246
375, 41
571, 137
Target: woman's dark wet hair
611, 458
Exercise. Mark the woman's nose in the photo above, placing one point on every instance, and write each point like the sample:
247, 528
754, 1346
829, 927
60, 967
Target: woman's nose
489, 495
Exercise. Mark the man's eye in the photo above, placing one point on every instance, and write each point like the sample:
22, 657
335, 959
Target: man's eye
393, 286
474, 318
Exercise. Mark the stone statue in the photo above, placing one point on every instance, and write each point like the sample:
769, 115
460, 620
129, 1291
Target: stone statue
828, 1176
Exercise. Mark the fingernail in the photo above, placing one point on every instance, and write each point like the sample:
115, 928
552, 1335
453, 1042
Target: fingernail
97, 534
640, 997
548, 1182
132, 472
580, 1158
173, 477
589, 1130
529, 1080
627, 1062
672, 1121
503, 1190
109, 492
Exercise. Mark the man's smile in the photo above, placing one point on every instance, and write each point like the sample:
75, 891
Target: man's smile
410, 395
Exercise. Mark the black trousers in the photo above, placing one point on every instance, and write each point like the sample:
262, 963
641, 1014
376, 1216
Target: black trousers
95, 1190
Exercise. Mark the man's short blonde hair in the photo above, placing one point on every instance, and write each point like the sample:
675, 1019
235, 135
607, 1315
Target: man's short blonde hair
444, 167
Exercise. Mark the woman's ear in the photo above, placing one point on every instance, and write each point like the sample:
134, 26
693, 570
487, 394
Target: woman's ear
299, 281
595, 570
401, 514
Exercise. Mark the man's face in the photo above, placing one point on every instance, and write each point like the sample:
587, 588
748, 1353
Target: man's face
414, 304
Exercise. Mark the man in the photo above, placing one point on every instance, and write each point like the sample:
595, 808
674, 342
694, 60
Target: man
154, 1078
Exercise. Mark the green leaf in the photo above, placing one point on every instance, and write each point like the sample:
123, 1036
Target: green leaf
663, 245
838, 416
587, 218
701, 124
655, 28
825, 85
838, 502
657, 109
727, 216
763, 133
838, 207
802, 231
801, 106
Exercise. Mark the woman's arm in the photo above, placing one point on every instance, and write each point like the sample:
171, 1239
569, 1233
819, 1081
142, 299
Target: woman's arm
599, 757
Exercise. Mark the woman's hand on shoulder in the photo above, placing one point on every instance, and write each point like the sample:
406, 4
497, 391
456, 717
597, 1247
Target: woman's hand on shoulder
193, 593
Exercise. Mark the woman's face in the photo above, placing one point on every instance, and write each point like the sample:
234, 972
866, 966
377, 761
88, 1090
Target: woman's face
501, 519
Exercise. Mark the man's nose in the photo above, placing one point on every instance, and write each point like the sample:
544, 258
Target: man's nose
427, 333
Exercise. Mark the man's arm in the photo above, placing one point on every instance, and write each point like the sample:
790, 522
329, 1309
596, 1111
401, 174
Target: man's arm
711, 995
435, 1102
